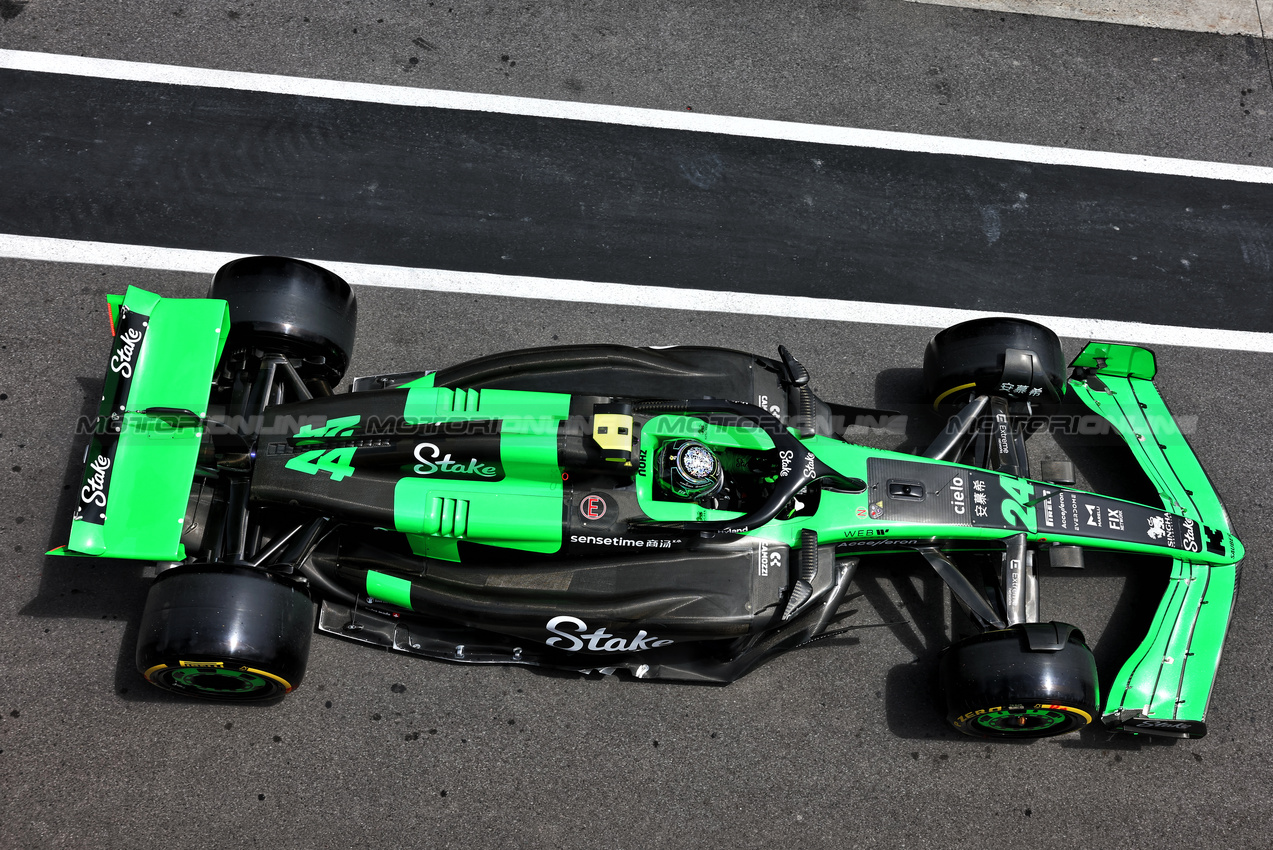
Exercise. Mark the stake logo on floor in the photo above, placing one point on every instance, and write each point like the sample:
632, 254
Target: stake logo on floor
594, 640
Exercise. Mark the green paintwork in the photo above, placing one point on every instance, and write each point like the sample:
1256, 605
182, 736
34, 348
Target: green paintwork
1021, 720
1168, 678
342, 427
214, 680
1109, 358
113, 303
154, 462
523, 515
396, 591
1170, 675
538, 412
337, 463
438, 548
422, 381
523, 510
677, 427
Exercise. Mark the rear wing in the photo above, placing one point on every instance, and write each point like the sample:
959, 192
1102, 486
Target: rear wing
141, 459
1164, 686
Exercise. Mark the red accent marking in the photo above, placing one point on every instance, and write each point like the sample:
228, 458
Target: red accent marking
110, 316
593, 507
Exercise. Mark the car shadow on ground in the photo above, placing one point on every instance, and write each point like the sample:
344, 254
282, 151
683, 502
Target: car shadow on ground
84, 588
903, 595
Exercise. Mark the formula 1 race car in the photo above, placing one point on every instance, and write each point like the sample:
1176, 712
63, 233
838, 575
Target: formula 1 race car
678, 513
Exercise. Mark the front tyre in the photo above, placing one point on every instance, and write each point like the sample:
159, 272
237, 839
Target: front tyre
225, 633
1012, 358
996, 686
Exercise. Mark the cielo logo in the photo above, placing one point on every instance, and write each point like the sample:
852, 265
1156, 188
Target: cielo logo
958, 495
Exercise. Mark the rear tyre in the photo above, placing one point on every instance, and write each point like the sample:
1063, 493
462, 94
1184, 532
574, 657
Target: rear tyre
997, 687
291, 307
977, 358
224, 633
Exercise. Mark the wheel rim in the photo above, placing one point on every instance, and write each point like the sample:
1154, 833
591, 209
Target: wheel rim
212, 679
1029, 722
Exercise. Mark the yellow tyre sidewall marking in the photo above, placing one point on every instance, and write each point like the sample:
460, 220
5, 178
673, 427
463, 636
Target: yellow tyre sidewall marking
952, 391
963, 719
150, 672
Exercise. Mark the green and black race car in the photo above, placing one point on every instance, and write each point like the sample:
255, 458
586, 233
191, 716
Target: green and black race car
679, 513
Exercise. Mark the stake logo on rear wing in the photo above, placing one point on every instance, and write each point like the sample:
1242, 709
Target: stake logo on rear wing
141, 459
129, 337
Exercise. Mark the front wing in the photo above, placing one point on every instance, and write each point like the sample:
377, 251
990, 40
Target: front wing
1165, 685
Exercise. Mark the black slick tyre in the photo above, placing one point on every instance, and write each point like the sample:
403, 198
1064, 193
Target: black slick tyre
996, 686
225, 633
291, 307
1013, 358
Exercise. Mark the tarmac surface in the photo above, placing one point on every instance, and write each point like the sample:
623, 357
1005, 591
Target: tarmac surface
838, 743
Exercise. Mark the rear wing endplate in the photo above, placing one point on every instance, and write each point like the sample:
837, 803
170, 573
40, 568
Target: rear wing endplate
145, 440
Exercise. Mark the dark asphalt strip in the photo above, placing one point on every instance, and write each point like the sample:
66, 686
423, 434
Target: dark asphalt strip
226, 170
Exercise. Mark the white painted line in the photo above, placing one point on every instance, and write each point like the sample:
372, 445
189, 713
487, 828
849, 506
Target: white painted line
1226, 17
625, 115
658, 297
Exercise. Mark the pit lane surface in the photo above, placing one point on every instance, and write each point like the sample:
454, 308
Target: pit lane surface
837, 743
214, 169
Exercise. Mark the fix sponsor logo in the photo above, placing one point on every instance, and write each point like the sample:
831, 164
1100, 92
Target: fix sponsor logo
572, 635
431, 462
